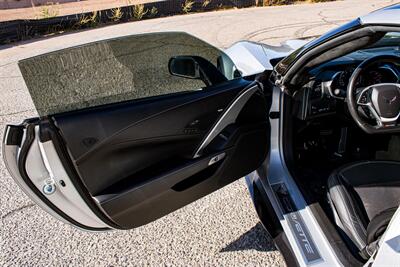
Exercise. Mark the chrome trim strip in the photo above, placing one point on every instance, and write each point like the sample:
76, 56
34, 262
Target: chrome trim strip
228, 117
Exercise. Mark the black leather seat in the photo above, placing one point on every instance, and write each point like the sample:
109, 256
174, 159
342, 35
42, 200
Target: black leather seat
363, 197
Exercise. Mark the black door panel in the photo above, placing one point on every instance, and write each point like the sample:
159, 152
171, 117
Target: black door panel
125, 142
140, 126
136, 158
163, 193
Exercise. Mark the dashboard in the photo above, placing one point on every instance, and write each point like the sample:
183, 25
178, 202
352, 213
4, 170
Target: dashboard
337, 86
326, 89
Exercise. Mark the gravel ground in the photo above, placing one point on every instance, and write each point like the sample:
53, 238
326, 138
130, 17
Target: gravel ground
221, 229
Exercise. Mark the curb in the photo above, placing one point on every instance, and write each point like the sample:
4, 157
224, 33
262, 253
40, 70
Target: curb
18, 30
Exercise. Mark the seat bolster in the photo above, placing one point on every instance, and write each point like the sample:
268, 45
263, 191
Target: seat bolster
348, 213
378, 224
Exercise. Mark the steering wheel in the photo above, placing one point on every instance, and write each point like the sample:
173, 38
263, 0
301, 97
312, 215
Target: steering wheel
382, 100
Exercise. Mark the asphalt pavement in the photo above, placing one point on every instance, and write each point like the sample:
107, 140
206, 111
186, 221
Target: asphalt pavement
221, 229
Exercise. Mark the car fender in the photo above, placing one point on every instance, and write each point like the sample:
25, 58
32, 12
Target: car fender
252, 58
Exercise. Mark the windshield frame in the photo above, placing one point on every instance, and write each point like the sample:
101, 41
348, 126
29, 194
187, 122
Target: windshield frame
284, 65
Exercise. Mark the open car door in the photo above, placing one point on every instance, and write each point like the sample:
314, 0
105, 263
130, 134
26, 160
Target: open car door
131, 129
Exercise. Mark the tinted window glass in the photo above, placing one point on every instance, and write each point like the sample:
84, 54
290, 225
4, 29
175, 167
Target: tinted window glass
118, 70
389, 39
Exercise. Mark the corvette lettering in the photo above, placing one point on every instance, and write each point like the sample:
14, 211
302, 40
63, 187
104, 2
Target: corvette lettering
297, 225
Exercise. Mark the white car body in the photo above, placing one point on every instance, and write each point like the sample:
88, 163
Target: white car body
303, 233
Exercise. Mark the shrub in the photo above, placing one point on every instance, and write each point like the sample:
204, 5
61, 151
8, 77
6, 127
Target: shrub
288, 2
88, 20
187, 6
116, 14
48, 12
153, 12
139, 12
206, 3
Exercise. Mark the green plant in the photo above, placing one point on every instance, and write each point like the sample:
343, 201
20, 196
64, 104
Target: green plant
206, 3
116, 14
139, 11
187, 6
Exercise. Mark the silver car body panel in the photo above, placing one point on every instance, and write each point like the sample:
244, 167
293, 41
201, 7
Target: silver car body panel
65, 196
279, 174
10, 156
389, 245
44, 167
389, 252
253, 58
386, 16
250, 58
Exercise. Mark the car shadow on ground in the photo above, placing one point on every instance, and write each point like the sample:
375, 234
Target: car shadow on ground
256, 238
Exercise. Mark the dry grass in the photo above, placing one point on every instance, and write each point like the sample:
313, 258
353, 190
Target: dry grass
49, 11
90, 20
206, 3
319, 1
288, 2
116, 14
187, 6
153, 12
139, 11
134, 12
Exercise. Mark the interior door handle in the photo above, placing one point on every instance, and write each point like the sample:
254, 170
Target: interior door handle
228, 117
216, 159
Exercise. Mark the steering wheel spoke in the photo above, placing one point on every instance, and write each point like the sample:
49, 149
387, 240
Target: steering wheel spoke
364, 96
389, 122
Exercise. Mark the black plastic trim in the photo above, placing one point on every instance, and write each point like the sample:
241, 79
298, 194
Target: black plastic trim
44, 130
271, 222
14, 135
265, 210
274, 115
338, 245
283, 245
